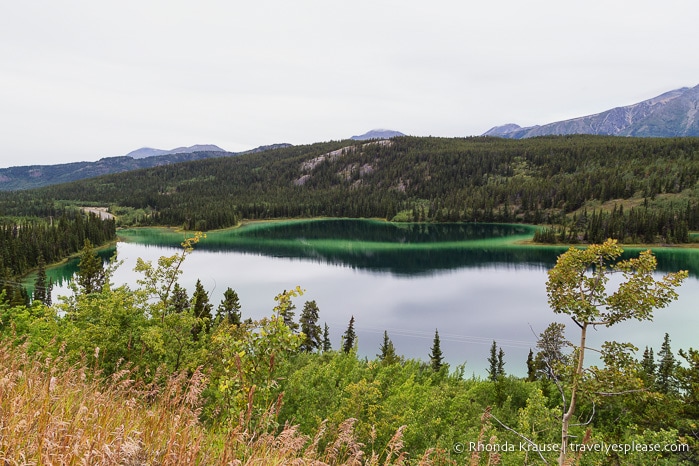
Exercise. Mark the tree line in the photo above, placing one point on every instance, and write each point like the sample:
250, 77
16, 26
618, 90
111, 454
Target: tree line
542, 180
29, 243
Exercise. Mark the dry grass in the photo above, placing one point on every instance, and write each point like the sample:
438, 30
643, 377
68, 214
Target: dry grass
54, 413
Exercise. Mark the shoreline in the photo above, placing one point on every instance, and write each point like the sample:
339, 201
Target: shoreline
518, 242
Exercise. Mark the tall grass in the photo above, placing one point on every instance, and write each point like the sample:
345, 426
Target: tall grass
55, 413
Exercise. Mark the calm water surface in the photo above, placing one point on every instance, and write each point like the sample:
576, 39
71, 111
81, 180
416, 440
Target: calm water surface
471, 282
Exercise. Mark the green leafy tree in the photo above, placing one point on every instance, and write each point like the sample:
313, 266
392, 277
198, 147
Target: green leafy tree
251, 356
91, 273
107, 327
349, 337
577, 286
285, 307
173, 337
229, 309
159, 281
312, 338
436, 356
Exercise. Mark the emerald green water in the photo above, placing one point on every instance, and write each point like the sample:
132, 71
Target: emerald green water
474, 283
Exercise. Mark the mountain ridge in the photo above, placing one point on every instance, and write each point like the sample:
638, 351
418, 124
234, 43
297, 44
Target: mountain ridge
378, 133
671, 114
144, 152
37, 176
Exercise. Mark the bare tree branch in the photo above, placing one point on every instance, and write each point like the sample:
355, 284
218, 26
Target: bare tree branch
530, 442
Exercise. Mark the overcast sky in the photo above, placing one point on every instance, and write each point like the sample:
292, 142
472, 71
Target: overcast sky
82, 80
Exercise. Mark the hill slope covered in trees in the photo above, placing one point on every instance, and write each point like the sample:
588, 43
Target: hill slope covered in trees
635, 189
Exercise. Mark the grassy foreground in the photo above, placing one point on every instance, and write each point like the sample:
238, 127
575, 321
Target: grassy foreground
54, 413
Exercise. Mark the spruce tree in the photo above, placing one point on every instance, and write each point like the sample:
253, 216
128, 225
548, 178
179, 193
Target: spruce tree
229, 309
288, 314
531, 367
551, 344
349, 337
665, 380
327, 344
91, 274
436, 357
201, 308
388, 351
42, 285
493, 362
179, 301
648, 367
501, 363
309, 327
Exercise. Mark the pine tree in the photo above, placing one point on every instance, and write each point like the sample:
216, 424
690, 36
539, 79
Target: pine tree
436, 357
309, 327
349, 337
665, 381
327, 345
42, 285
229, 309
91, 274
388, 351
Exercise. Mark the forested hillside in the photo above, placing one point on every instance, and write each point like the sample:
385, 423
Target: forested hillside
633, 189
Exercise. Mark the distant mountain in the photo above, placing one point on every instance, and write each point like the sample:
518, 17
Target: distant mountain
377, 134
674, 113
144, 152
36, 176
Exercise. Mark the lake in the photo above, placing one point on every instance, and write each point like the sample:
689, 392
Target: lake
472, 282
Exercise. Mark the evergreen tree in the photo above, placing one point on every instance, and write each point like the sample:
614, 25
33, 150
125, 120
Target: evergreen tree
288, 314
493, 368
388, 351
436, 357
91, 273
42, 285
531, 367
501, 362
18, 296
665, 380
179, 299
648, 367
327, 345
201, 308
349, 337
229, 309
309, 327
551, 345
